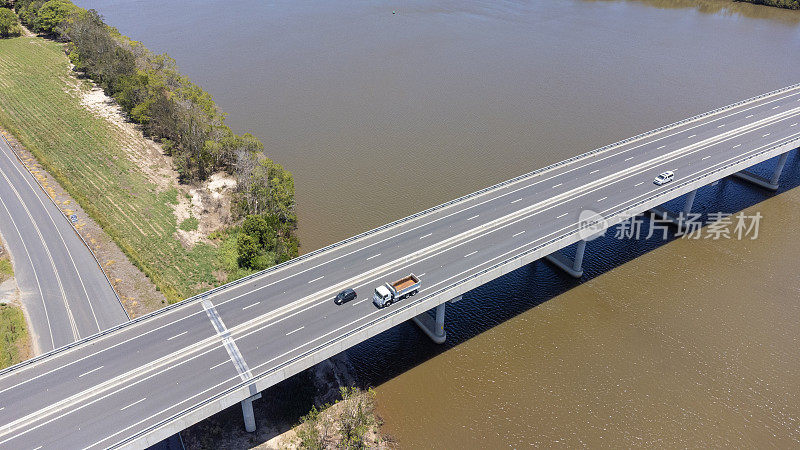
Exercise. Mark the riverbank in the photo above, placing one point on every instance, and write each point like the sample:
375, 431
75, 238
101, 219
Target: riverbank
786, 4
123, 188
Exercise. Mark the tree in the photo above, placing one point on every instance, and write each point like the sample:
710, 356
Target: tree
9, 25
52, 17
5, 4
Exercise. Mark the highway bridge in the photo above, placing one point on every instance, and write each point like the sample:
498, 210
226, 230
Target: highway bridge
136, 383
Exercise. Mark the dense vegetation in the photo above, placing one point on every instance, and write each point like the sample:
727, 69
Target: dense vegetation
183, 117
788, 4
9, 25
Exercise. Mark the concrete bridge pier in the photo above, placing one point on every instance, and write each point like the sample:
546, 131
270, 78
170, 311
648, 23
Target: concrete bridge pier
772, 183
679, 221
574, 267
247, 412
434, 328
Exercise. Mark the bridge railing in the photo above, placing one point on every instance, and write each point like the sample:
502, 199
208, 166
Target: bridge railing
621, 214
306, 256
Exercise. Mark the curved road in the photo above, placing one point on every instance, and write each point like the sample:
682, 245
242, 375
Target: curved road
65, 294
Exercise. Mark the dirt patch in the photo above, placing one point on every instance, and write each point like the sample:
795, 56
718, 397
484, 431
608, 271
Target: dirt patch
209, 203
147, 154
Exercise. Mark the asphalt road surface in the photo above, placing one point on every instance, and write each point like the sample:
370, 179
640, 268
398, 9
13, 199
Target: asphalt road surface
64, 292
156, 371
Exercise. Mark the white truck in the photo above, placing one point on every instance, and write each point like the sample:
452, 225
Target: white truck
389, 293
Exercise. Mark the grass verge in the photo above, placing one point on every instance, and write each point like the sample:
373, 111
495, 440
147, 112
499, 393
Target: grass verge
40, 103
13, 336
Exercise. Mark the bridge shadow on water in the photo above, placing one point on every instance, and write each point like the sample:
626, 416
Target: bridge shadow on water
395, 351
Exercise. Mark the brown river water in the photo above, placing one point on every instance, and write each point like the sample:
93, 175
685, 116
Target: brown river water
381, 114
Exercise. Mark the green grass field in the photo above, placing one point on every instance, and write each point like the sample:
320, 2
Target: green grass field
13, 336
85, 153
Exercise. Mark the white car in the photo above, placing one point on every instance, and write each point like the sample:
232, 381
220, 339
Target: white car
664, 178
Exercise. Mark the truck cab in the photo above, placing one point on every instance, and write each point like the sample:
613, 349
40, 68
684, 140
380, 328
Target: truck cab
382, 296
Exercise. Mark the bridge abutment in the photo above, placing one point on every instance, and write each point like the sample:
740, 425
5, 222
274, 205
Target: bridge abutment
574, 267
770, 184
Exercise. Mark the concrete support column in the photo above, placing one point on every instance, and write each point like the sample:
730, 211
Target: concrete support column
776, 175
576, 265
687, 207
433, 327
249, 416
439, 330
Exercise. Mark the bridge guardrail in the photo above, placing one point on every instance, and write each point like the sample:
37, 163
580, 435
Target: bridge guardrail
389, 225
443, 290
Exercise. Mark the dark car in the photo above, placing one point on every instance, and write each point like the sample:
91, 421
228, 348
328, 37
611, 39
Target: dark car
345, 296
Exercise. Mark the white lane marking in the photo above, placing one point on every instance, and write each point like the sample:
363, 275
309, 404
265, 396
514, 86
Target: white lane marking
474, 217
93, 370
470, 254
73, 325
793, 124
705, 158
181, 319
2, 408
720, 126
134, 403
776, 107
316, 279
600, 200
638, 184
38, 190
754, 105
691, 136
558, 217
628, 159
35, 274
747, 117
295, 331
219, 365
423, 237
177, 335
517, 200
373, 256
250, 305
361, 301
737, 145
326, 334
557, 185
149, 331
39, 447
594, 171
765, 135
659, 148
521, 232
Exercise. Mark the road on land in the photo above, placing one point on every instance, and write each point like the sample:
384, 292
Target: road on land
64, 292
